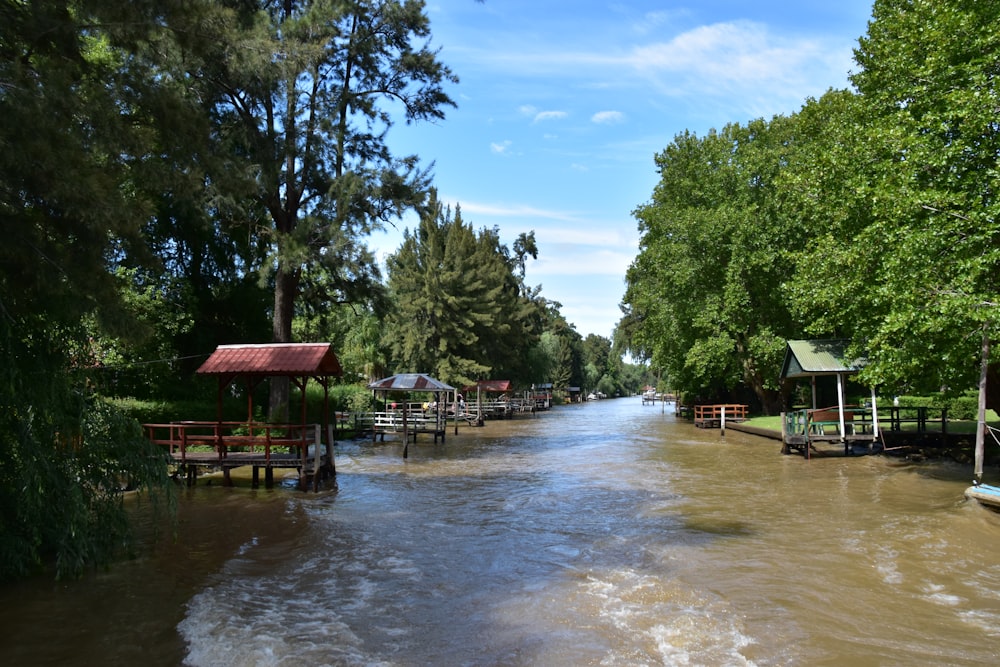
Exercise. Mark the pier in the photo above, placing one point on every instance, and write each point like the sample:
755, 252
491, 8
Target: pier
198, 446
716, 416
807, 431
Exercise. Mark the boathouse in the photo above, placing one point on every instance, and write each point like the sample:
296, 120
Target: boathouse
844, 424
226, 444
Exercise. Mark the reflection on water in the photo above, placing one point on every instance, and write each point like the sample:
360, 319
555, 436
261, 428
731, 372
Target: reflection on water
606, 533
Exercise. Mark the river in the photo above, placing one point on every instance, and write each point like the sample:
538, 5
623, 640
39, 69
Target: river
608, 533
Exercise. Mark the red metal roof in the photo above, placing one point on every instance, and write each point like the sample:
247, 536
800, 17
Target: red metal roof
490, 385
291, 359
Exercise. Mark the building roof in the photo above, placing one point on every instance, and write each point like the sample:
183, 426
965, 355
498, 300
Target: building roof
274, 359
490, 385
804, 358
410, 382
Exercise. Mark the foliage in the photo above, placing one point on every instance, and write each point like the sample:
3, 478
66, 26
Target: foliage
716, 242
562, 348
923, 265
870, 215
69, 203
60, 442
460, 312
964, 406
307, 98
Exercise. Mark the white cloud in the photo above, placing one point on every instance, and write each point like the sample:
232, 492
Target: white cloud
501, 148
608, 236
515, 211
749, 65
608, 117
739, 55
542, 116
658, 21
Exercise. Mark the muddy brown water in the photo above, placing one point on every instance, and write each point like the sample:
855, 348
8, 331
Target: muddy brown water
609, 533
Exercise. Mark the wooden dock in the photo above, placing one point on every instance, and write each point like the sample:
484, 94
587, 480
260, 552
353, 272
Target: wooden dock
414, 418
714, 416
651, 397
807, 431
198, 446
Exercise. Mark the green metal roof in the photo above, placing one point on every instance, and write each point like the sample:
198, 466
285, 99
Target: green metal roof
804, 358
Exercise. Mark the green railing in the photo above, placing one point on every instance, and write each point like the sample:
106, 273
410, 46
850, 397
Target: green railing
858, 420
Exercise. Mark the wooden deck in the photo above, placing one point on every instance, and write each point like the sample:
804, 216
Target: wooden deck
197, 446
711, 416
807, 430
419, 418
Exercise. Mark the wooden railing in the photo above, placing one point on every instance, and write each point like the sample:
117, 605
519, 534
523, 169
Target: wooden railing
860, 420
230, 436
713, 414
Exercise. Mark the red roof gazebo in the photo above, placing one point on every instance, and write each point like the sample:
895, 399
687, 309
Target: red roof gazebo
299, 362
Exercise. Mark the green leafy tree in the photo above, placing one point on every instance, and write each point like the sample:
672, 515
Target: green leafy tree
704, 295
917, 275
69, 202
303, 94
562, 349
597, 352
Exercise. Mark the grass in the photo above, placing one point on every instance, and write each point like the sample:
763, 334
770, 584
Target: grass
772, 423
954, 426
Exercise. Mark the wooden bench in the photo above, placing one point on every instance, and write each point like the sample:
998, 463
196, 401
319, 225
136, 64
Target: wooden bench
822, 419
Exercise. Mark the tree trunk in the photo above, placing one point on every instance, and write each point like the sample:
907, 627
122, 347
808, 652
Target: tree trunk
981, 416
285, 286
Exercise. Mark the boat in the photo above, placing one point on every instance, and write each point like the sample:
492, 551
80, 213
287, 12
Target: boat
986, 495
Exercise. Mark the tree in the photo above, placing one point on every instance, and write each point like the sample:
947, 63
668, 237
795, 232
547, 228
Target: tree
459, 311
562, 348
921, 267
69, 201
304, 94
704, 292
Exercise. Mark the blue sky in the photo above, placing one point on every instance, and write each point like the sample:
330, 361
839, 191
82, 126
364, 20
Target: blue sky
563, 105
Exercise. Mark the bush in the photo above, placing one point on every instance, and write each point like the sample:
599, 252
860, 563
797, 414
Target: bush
963, 406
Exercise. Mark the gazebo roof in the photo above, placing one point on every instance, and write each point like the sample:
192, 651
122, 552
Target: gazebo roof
410, 382
273, 359
805, 358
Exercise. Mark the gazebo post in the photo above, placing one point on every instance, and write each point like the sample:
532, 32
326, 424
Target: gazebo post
374, 414
840, 410
331, 434
406, 437
875, 427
